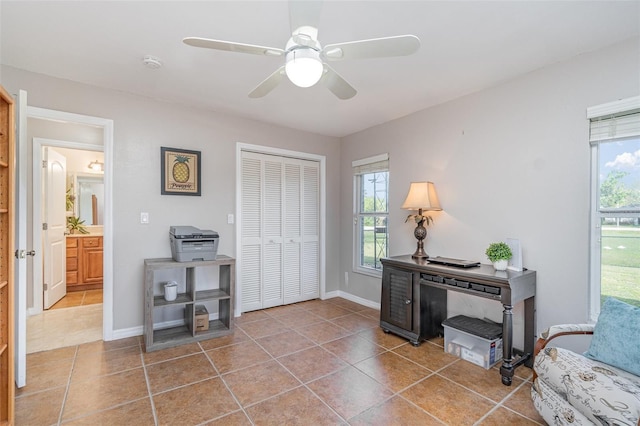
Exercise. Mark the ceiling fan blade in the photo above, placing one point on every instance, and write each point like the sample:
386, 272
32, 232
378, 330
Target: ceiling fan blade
337, 84
304, 13
374, 48
232, 46
268, 84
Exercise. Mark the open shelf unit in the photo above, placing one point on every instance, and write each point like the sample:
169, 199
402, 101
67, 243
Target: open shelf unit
160, 338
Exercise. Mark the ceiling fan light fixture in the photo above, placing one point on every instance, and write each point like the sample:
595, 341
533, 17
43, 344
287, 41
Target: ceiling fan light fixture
304, 67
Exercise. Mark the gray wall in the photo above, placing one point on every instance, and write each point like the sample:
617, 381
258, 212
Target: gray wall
509, 161
141, 127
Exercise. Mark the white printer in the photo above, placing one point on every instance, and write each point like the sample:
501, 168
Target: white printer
189, 243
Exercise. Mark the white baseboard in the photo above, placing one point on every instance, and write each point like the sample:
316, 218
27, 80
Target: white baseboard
331, 295
127, 332
139, 330
357, 299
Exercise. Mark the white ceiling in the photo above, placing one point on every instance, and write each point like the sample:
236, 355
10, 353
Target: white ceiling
466, 46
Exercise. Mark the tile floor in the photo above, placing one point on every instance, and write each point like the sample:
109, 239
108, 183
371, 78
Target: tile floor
312, 363
73, 320
79, 298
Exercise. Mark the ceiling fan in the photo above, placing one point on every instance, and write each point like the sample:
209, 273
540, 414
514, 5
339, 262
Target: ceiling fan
306, 59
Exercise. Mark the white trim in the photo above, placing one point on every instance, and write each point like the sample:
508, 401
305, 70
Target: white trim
356, 267
240, 147
369, 160
594, 240
359, 300
612, 108
107, 148
123, 333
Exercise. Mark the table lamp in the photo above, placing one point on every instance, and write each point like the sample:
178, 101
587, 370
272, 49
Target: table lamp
422, 196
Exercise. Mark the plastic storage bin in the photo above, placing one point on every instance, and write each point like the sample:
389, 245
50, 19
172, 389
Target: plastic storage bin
473, 340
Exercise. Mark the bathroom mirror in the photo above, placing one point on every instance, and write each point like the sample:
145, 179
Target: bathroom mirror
90, 199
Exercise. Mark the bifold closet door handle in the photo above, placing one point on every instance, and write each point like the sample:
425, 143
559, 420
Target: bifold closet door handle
407, 302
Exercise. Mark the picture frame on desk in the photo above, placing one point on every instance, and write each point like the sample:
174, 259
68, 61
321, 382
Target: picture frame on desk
179, 171
515, 263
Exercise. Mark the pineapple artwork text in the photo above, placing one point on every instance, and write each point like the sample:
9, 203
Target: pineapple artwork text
181, 172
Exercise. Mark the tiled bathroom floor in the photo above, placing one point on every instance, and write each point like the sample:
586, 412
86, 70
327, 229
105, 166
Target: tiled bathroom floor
312, 363
79, 298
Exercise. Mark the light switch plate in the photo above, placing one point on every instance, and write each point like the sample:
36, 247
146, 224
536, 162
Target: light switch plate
144, 217
230, 219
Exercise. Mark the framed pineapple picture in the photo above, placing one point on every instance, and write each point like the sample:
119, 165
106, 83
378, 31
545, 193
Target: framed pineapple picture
180, 171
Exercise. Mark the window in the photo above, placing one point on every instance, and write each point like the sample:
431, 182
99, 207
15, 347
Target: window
615, 206
371, 213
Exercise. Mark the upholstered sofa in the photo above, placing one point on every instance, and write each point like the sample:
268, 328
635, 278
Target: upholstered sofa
576, 389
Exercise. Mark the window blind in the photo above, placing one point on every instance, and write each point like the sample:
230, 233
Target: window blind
377, 163
620, 119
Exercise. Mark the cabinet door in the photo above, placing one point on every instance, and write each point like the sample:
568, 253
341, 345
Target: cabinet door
92, 266
91, 257
397, 298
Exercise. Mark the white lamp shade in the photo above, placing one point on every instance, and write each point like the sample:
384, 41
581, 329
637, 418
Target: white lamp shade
304, 67
422, 195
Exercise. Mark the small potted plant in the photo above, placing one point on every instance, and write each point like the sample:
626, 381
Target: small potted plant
499, 254
75, 224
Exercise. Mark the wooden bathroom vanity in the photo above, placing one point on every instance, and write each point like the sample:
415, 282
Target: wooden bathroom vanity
84, 262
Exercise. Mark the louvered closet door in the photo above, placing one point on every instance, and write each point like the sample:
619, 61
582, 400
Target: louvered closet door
301, 241
272, 232
292, 231
310, 266
251, 231
280, 244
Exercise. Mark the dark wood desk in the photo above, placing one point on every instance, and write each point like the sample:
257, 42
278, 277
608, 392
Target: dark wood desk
414, 301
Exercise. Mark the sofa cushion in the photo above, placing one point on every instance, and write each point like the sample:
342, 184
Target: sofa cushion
603, 394
554, 409
615, 338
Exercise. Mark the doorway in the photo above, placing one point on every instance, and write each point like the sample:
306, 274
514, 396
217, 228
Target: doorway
70, 312
60, 123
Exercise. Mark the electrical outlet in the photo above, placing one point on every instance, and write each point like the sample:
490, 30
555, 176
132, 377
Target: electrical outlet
346, 278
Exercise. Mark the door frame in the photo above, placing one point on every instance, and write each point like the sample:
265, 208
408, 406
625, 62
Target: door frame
321, 159
107, 147
36, 203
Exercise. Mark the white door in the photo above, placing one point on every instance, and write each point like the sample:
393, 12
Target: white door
302, 242
55, 218
279, 230
292, 231
310, 265
251, 231
21, 241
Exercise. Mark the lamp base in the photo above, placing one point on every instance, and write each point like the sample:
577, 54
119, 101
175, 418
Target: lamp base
420, 233
420, 253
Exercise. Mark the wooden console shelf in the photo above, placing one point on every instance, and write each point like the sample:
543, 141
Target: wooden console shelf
160, 338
